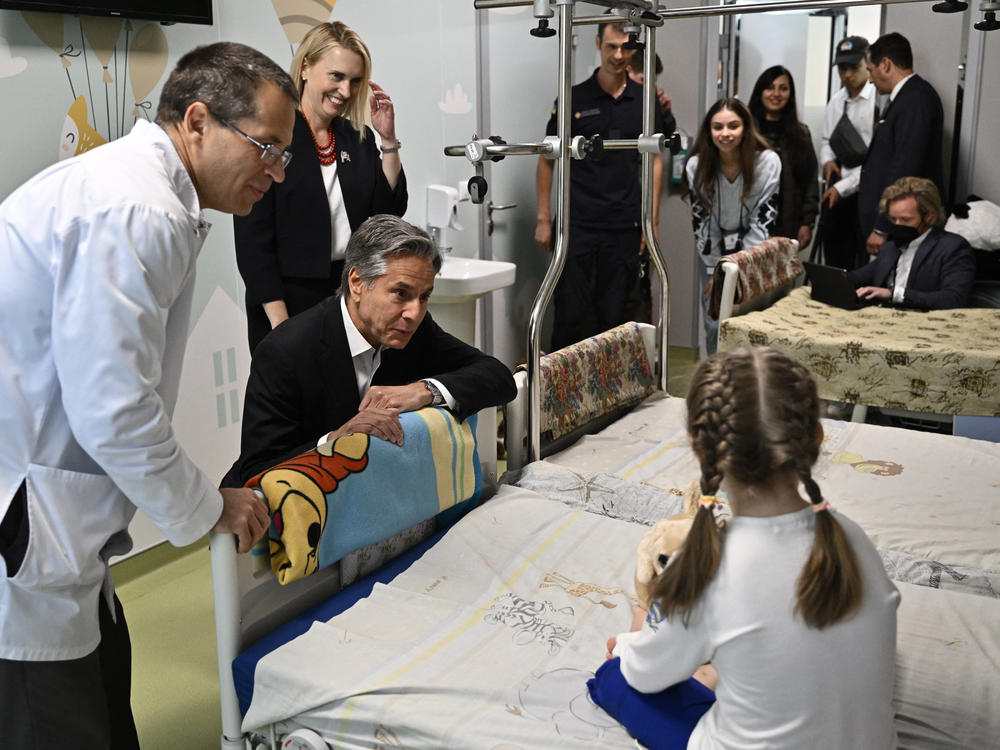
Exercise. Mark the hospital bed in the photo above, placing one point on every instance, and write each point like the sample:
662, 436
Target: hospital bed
485, 635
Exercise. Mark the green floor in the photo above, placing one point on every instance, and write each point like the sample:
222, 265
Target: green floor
167, 596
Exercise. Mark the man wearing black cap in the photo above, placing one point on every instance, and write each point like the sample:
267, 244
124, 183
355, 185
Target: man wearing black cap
907, 139
847, 131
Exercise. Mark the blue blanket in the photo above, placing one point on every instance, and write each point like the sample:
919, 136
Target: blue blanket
358, 490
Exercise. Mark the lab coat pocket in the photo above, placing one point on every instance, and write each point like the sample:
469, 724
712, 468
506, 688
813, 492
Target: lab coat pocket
71, 516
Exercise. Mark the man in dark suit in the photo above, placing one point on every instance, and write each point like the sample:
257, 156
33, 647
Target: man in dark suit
357, 360
907, 140
920, 264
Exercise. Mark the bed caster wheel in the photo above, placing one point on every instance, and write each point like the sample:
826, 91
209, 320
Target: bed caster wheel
304, 739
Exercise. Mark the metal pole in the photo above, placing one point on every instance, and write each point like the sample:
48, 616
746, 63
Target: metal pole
483, 120
649, 102
554, 271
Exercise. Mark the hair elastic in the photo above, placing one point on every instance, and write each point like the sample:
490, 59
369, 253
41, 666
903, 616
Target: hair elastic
825, 505
707, 501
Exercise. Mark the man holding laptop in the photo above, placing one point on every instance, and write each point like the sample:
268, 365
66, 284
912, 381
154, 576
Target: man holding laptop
920, 265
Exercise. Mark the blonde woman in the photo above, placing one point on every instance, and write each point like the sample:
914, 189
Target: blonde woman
290, 248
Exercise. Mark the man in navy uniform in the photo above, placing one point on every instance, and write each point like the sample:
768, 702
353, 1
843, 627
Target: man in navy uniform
605, 241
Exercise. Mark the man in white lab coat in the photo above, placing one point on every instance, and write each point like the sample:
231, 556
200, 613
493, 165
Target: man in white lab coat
97, 268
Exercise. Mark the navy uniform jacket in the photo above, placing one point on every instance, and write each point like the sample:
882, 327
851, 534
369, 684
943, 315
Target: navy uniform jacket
906, 143
940, 277
302, 383
288, 234
606, 194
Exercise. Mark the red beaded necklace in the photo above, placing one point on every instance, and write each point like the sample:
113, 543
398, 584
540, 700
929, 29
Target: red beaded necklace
326, 155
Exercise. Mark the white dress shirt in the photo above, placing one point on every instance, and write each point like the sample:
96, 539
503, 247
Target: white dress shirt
97, 270
367, 358
340, 226
903, 266
861, 113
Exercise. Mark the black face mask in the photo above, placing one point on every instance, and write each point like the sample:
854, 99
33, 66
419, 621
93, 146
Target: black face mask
902, 234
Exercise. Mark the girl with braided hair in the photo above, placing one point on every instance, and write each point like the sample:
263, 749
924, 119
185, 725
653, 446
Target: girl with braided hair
789, 602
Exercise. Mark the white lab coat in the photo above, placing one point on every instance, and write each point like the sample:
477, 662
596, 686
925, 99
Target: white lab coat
97, 268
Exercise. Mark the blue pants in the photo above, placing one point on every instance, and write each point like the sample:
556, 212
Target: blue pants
660, 721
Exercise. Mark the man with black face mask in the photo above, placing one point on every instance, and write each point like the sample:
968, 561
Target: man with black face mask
920, 265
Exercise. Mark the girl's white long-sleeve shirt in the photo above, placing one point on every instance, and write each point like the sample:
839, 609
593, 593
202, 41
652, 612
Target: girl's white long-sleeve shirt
781, 684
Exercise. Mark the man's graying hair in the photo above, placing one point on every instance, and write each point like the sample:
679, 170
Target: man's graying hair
223, 76
380, 238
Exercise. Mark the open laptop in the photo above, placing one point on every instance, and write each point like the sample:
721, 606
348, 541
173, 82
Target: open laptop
834, 287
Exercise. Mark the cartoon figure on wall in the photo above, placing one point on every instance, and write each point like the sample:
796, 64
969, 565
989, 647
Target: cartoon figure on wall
124, 57
77, 134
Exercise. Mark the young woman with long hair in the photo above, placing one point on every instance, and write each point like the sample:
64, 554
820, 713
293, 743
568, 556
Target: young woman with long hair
732, 179
774, 108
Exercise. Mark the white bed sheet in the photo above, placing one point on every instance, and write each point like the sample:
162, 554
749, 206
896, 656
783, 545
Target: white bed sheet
488, 639
487, 642
928, 502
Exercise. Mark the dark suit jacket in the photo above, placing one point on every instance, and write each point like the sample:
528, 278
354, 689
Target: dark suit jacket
906, 143
302, 383
941, 275
287, 234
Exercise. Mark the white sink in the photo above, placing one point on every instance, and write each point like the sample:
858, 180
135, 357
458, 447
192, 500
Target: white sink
457, 288
461, 279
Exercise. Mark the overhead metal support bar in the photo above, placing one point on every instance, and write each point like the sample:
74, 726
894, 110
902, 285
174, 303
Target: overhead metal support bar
638, 4
502, 149
704, 11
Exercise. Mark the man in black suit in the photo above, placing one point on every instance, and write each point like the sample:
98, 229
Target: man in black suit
907, 140
355, 361
920, 264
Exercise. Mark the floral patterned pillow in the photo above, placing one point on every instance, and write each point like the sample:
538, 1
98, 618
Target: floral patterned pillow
763, 267
593, 377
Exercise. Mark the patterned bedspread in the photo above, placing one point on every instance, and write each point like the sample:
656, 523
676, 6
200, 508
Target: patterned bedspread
945, 362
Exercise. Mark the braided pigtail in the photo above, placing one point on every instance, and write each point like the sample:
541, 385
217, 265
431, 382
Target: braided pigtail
830, 587
679, 586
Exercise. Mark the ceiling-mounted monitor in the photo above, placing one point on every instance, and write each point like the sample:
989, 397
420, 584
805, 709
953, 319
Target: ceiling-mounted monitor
166, 11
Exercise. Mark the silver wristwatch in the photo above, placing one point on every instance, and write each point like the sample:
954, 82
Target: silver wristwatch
436, 398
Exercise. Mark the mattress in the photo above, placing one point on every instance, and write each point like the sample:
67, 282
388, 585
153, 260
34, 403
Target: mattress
487, 640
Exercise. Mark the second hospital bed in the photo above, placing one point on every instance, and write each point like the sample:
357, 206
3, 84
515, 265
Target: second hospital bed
487, 635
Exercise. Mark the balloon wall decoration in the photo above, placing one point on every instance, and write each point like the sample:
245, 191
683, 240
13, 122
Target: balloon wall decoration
129, 64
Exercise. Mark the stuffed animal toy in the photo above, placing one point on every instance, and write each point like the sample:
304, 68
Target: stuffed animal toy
660, 542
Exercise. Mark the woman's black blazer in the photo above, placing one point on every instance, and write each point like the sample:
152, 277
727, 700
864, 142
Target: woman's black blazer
288, 234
